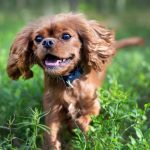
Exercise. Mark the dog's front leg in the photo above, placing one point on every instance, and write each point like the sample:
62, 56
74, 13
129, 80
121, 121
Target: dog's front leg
90, 110
53, 120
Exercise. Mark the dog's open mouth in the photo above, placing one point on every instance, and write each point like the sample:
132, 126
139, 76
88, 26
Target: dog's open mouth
52, 61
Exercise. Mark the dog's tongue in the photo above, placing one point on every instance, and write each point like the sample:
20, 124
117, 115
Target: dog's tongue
52, 63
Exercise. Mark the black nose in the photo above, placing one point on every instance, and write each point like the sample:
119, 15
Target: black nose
47, 43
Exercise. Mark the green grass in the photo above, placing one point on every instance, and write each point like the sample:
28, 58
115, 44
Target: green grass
124, 122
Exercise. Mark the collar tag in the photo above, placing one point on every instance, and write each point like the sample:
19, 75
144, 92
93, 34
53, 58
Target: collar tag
75, 74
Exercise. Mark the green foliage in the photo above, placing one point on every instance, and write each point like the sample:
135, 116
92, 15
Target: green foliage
121, 125
124, 122
30, 131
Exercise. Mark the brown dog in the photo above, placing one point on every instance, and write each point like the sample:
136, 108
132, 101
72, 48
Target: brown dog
74, 54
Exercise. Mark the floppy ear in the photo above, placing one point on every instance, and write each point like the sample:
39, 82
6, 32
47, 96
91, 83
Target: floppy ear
97, 44
21, 56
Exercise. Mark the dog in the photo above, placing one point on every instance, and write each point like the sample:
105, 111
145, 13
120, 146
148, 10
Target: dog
74, 54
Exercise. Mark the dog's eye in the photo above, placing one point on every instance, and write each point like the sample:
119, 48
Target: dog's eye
38, 38
66, 36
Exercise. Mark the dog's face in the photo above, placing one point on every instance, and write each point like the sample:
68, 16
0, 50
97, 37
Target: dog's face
57, 47
58, 44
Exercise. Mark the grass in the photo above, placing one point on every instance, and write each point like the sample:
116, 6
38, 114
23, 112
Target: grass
124, 122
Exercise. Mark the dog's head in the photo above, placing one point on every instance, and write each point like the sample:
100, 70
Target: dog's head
58, 44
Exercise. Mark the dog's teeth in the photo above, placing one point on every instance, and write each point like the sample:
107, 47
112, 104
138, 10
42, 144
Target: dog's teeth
59, 61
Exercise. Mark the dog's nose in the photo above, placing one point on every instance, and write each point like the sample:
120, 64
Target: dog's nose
48, 43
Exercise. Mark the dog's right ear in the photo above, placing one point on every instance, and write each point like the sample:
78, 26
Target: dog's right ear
21, 56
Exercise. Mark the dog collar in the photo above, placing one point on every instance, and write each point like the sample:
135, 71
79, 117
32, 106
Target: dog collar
75, 74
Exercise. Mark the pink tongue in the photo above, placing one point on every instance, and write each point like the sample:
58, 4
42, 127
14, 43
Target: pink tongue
55, 63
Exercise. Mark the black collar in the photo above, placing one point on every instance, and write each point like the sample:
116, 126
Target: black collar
75, 74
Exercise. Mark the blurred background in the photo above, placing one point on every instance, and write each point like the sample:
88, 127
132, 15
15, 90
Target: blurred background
129, 72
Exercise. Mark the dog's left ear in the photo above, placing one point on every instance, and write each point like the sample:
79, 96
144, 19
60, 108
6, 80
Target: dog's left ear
21, 56
97, 44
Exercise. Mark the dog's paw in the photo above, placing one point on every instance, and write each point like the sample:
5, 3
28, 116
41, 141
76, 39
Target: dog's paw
83, 123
